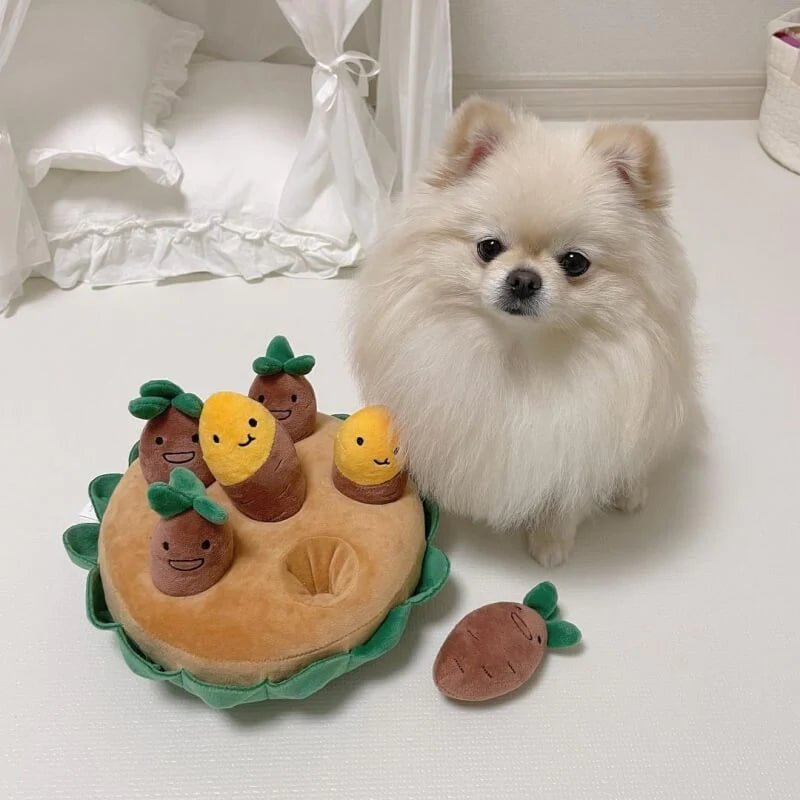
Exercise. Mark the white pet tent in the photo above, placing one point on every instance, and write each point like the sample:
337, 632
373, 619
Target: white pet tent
346, 151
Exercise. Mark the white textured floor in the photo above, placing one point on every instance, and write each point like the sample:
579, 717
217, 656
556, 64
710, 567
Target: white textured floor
688, 685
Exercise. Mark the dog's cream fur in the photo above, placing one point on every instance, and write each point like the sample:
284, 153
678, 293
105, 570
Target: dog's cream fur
532, 421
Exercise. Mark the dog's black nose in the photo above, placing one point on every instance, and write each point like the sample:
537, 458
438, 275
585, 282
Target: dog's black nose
523, 283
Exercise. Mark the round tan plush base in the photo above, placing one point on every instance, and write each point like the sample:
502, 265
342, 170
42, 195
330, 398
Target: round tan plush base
313, 585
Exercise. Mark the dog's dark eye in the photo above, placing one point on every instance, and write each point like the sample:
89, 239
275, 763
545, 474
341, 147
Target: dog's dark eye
574, 263
489, 249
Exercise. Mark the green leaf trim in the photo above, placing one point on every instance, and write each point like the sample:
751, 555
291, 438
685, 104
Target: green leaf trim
210, 510
189, 404
160, 388
281, 358
134, 453
543, 599
267, 366
80, 542
561, 633
183, 492
434, 574
157, 396
148, 407
100, 491
301, 365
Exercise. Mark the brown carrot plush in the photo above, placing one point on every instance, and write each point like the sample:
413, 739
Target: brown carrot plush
497, 647
170, 438
282, 388
192, 546
252, 457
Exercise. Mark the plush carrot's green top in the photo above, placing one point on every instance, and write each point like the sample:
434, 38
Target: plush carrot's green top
543, 599
183, 492
157, 396
281, 358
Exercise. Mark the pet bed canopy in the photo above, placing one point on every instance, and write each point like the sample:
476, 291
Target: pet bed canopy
345, 151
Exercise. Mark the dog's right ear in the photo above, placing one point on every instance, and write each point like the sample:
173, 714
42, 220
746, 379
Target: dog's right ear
475, 131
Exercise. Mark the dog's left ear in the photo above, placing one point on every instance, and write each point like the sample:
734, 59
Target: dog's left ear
635, 153
477, 129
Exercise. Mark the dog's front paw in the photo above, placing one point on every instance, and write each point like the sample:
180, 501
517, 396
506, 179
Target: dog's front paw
551, 546
631, 500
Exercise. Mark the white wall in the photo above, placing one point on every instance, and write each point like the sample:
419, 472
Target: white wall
675, 52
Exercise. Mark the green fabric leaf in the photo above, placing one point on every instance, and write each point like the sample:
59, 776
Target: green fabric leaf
562, 634
267, 366
280, 349
100, 491
96, 606
185, 482
134, 453
80, 542
189, 404
160, 388
166, 501
301, 365
210, 510
543, 599
148, 407
281, 358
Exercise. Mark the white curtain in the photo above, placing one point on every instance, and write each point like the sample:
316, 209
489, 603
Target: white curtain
22, 244
415, 84
344, 153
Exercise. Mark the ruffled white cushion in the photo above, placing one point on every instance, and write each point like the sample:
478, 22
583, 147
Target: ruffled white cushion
87, 82
237, 129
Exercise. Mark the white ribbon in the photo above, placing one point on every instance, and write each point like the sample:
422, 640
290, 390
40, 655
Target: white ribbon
359, 65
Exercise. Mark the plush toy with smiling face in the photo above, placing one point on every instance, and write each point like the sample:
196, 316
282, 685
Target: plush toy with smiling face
191, 546
368, 464
252, 457
282, 388
170, 438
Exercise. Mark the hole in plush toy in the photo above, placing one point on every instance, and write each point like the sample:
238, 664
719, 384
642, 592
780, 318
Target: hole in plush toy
321, 569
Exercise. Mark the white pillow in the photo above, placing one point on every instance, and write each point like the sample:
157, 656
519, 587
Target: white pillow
237, 130
87, 81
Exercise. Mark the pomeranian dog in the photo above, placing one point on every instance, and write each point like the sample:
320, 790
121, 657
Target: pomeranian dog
527, 316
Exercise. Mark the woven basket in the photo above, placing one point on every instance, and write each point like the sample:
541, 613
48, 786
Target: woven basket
779, 121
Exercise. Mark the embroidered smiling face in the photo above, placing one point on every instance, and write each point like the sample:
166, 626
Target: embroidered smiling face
192, 545
188, 554
236, 436
366, 450
290, 399
170, 438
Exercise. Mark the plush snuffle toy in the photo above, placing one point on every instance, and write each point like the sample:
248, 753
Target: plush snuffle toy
282, 388
252, 457
170, 438
191, 546
496, 648
367, 463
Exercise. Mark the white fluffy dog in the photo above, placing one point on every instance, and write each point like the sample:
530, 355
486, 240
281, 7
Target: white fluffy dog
527, 318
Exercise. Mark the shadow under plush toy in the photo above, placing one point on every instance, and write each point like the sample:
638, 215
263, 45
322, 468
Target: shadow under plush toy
496, 648
282, 388
191, 547
170, 438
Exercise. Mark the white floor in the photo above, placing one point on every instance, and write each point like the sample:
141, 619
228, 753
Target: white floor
688, 685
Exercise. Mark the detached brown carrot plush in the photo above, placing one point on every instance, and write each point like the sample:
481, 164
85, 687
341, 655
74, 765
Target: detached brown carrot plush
192, 546
252, 457
497, 647
282, 388
170, 438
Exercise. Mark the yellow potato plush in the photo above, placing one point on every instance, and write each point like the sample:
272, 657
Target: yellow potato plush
368, 465
252, 457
